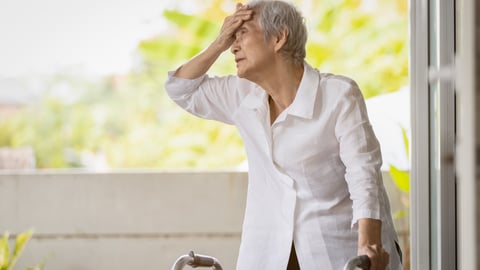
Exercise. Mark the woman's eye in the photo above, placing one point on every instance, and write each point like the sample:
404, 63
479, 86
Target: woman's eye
241, 32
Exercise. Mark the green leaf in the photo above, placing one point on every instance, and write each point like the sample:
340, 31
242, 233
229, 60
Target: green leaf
4, 251
405, 140
400, 214
198, 26
20, 243
400, 178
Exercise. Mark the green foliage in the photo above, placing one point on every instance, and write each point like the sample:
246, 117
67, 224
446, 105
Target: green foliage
400, 214
129, 121
368, 45
401, 177
193, 26
7, 260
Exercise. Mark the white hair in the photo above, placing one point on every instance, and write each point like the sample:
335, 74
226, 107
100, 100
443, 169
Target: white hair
276, 16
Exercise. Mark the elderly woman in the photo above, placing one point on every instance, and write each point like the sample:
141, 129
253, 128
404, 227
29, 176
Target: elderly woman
315, 193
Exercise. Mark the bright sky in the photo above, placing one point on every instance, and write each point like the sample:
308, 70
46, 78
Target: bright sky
96, 35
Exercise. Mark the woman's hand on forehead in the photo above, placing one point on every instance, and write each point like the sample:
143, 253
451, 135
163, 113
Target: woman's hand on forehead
231, 24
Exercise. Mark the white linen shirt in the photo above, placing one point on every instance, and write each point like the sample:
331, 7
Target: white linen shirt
312, 173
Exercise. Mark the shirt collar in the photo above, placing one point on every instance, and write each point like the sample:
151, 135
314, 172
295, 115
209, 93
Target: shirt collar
304, 103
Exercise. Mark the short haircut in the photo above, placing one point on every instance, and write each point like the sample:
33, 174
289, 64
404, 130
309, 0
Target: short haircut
276, 16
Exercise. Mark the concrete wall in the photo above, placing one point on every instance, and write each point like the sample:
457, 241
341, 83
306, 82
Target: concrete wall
131, 220
123, 220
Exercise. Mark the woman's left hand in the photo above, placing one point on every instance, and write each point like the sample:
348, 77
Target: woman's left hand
378, 256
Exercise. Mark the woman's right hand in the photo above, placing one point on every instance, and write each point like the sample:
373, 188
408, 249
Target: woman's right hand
199, 65
230, 26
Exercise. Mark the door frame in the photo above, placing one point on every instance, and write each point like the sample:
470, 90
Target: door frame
420, 177
433, 184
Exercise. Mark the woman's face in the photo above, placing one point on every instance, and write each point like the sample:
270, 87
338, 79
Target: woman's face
253, 54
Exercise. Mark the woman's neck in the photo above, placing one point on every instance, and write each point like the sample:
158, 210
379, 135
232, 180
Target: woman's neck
281, 84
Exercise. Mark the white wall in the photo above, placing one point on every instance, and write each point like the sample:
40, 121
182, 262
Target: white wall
123, 220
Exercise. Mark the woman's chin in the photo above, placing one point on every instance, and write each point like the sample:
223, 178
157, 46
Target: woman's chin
240, 73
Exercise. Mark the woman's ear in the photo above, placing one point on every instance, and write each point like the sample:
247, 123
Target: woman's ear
280, 40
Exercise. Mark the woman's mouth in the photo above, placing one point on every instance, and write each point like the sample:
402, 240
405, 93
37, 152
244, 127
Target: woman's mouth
237, 60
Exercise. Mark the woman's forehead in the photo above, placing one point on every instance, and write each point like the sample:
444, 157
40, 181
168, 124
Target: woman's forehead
252, 23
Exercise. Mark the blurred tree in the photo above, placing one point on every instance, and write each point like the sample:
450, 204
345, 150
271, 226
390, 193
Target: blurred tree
128, 121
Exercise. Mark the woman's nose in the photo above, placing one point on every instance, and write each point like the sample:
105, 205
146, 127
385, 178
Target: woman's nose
235, 47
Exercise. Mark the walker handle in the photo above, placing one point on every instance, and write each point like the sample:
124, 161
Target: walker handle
204, 261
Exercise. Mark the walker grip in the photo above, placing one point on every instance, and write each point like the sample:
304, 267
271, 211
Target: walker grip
201, 260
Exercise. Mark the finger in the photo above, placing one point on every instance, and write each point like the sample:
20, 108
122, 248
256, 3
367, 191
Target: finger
243, 12
374, 255
385, 257
243, 17
237, 18
236, 21
229, 28
379, 258
373, 264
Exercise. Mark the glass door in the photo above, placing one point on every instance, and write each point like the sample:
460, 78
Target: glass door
433, 192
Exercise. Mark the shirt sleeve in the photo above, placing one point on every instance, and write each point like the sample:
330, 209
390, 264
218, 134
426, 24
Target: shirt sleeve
360, 152
214, 98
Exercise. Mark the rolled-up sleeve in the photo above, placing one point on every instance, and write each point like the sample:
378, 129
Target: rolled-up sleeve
360, 152
207, 97
178, 88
